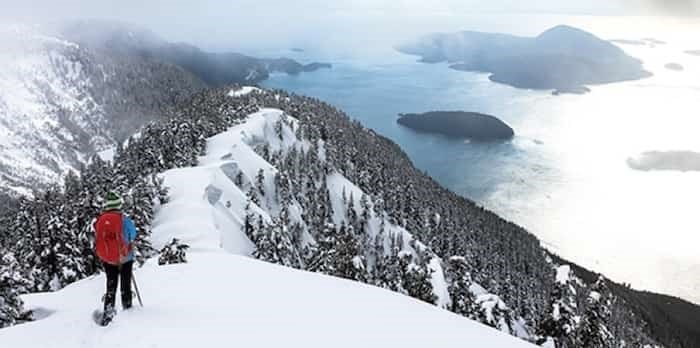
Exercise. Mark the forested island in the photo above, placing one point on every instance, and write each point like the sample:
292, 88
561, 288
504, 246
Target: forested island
562, 58
458, 124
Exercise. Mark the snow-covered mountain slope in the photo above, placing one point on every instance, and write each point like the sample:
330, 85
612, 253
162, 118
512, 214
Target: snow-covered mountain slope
219, 189
61, 102
223, 298
70, 90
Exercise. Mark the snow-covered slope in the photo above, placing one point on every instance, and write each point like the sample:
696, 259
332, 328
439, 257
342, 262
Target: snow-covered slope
224, 298
61, 102
41, 91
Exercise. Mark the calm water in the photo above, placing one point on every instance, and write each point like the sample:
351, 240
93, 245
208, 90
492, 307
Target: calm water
564, 176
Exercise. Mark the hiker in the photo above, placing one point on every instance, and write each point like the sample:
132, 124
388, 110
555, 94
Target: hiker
114, 236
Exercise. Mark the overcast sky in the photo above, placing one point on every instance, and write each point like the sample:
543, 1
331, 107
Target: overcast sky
221, 24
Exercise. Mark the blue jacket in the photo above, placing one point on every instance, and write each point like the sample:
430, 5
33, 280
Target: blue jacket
129, 234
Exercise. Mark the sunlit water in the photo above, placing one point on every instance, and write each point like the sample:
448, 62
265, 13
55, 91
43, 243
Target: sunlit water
564, 177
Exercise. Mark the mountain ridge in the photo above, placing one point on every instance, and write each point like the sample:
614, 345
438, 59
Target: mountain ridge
88, 85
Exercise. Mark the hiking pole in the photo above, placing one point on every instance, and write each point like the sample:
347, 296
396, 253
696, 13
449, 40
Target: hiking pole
136, 287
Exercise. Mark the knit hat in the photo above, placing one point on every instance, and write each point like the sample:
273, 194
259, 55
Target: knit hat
113, 201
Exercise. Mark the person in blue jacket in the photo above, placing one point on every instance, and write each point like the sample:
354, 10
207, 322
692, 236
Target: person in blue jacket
122, 269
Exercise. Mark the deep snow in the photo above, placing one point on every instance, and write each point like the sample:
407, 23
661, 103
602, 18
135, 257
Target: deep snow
224, 298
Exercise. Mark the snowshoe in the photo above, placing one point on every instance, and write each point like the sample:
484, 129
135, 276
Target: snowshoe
103, 318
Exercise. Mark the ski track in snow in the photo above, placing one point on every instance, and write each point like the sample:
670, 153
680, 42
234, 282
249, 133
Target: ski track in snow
224, 298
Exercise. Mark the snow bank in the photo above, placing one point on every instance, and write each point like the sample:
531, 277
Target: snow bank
107, 155
563, 273
242, 91
223, 300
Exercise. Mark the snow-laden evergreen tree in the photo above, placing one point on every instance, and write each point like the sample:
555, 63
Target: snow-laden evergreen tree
416, 278
593, 331
12, 284
174, 252
559, 323
463, 301
274, 244
348, 261
388, 272
260, 182
321, 257
70, 264
140, 209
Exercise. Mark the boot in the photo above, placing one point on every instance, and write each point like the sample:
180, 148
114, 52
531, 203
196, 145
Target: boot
109, 311
127, 299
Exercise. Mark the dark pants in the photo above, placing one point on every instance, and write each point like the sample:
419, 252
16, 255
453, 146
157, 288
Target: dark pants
113, 275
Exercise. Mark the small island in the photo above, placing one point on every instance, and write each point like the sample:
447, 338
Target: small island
564, 59
682, 161
674, 67
458, 124
317, 66
572, 90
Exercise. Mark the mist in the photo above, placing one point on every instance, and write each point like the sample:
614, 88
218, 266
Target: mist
253, 26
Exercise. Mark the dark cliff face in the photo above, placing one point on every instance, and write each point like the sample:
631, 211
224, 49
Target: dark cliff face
563, 58
459, 124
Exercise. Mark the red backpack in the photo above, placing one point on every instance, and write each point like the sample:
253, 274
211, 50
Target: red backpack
109, 238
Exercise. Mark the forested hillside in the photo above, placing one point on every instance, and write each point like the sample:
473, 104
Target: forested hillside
396, 229
69, 91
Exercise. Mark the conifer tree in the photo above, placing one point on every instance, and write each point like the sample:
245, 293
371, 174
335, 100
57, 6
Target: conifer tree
273, 244
416, 278
594, 331
559, 322
322, 256
349, 260
174, 252
463, 301
12, 284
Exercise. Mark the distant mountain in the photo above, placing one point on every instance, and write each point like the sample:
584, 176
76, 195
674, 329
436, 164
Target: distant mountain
215, 69
562, 58
470, 125
61, 101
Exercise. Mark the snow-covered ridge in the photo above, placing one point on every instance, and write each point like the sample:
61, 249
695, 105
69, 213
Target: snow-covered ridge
231, 157
223, 297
